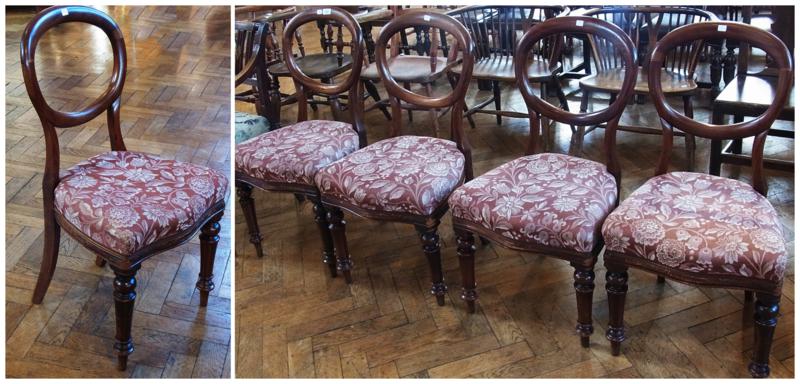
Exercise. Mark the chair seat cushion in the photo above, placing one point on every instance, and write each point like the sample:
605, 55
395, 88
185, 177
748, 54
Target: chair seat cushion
408, 68
294, 153
700, 223
611, 80
248, 126
546, 199
128, 200
501, 68
407, 174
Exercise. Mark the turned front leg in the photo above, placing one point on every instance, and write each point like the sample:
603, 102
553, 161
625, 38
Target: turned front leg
584, 288
466, 261
431, 247
766, 318
244, 191
337, 227
209, 237
328, 255
616, 288
124, 297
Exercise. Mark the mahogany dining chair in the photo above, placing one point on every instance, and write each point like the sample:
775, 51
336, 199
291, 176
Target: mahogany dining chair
124, 206
549, 203
405, 178
288, 159
702, 229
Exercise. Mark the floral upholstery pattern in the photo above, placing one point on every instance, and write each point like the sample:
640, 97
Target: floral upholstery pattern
546, 199
700, 223
294, 154
248, 126
409, 174
128, 200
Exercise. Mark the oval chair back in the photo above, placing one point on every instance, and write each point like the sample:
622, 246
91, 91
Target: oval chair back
758, 127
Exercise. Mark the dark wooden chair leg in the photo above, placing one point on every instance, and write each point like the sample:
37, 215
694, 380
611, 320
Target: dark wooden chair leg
562, 98
766, 317
337, 227
328, 255
99, 261
453, 79
52, 238
661, 279
273, 107
373, 91
244, 191
748, 296
434, 112
496, 91
466, 261
407, 86
584, 289
688, 110
124, 297
432, 249
209, 237
616, 288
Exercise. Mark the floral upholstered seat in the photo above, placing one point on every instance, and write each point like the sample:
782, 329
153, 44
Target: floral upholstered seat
409, 174
548, 199
128, 200
294, 154
248, 126
700, 223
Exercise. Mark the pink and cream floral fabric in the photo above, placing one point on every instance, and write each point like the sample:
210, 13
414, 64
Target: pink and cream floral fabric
128, 200
294, 154
548, 199
700, 223
409, 174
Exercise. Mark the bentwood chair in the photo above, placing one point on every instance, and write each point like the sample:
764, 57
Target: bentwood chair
250, 66
701, 229
496, 29
549, 203
124, 206
288, 159
646, 25
404, 179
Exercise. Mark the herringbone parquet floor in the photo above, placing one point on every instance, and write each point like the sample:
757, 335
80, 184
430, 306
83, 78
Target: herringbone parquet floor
175, 105
293, 320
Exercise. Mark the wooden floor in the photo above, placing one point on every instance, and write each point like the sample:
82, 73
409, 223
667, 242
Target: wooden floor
175, 105
293, 320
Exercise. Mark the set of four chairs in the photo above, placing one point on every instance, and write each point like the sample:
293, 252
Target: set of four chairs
690, 227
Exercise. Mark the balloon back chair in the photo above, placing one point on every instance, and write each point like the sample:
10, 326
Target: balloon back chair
549, 203
123, 206
701, 229
288, 159
405, 178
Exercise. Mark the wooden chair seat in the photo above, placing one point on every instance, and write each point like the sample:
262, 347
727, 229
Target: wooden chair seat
294, 153
751, 95
128, 201
610, 80
702, 227
315, 66
547, 200
408, 69
501, 68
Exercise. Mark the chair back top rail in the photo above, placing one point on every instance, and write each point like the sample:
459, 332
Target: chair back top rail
758, 127
595, 29
645, 25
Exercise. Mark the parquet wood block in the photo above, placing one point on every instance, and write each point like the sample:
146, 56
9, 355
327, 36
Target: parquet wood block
176, 104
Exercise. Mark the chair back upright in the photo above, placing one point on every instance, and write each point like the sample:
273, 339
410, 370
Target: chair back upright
462, 49
351, 84
596, 30
757, 127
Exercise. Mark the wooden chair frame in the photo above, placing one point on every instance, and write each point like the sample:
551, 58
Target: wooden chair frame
617, 264
250, 65
124, 266
583, 262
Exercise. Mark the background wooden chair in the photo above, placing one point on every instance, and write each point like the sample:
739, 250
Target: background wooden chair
287, 159
124, 206
548, 203
405, 179
250, 68
646, 26
701, 229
